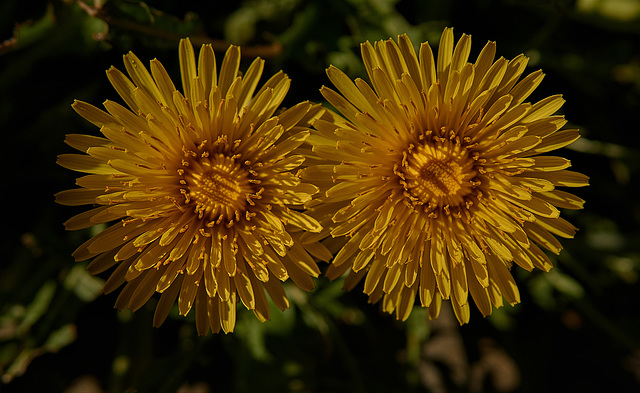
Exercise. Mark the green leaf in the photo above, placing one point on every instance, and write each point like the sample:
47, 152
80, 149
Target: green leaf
38, 307
82, 284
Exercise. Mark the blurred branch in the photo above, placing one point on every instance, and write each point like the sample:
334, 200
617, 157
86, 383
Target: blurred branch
97, 11
8, 44
28, 31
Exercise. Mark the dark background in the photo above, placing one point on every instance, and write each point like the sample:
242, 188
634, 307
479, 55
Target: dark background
577, 328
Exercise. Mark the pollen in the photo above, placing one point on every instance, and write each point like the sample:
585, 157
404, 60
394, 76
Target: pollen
441, 178
441, 174
217, 187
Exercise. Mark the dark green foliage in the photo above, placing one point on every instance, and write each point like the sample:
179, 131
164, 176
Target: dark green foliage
576, 329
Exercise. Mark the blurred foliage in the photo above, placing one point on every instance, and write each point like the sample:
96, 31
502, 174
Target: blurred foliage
577, 328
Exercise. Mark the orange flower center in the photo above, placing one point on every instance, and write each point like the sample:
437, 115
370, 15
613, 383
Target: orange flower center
440, 175
218, 186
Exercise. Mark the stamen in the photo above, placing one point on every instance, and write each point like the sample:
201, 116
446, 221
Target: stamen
218, 186
440, 174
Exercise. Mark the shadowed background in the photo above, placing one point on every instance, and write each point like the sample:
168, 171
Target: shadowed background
576, 329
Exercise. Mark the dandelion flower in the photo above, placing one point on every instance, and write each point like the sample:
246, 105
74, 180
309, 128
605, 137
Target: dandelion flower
438, 178
200, 186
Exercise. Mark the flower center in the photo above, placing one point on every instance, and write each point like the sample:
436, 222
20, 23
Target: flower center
441, 175
218, 186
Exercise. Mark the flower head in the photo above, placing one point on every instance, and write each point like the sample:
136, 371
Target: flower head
200, 186
438, 180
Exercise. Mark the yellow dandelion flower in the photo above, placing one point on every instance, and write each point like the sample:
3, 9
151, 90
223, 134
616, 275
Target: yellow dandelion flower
435, 178
200, 186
